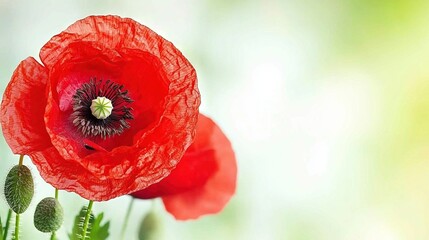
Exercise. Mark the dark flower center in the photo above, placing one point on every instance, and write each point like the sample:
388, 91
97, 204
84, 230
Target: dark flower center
101, 109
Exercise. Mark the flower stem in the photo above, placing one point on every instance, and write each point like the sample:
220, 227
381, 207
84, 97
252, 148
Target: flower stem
127, 216
6, 228
87, 216
56, 197
21, 159
16, 233
16, 237
53, 236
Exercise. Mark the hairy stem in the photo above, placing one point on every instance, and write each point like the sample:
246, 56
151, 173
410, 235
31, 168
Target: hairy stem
87, 216
16, 233
16, 237
6, 228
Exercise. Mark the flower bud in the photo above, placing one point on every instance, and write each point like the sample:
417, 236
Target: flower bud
149, 227
19, 188
49, 215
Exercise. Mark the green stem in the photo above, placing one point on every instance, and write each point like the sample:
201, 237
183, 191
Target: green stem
6, 228
21, 159
153, 205
9, 215
53, 236
87, 216
16, 227
56, 197
127, 216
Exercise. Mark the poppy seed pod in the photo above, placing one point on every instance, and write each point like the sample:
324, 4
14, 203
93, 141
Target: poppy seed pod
49, 215
19, 188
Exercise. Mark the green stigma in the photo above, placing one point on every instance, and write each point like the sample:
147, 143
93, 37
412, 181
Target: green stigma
101, 107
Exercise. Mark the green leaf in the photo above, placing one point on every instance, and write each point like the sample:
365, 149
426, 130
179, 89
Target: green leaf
96, 230
99, 231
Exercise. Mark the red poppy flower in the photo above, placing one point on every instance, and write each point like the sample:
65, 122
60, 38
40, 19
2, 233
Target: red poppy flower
111, 110
203, 181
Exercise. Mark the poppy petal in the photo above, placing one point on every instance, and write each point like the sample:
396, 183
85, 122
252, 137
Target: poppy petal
192, 172
23, 106
140, 75
71, 176
219, 188
160, 80
203, 181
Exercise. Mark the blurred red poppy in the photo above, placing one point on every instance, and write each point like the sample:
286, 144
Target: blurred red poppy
111, 110
203, 181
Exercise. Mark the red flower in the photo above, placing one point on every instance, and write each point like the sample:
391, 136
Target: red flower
52, 112
203, 181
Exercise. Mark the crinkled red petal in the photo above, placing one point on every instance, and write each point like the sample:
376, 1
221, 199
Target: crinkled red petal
23, 106
205, 178
166, 106
71, 176
140, 74
219, 188
192, 172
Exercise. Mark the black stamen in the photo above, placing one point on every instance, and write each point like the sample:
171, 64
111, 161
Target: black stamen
116, 123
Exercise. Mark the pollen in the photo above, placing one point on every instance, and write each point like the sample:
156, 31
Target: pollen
101, 107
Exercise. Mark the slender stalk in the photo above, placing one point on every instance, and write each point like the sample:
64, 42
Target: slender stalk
9, 215
21, 159
87, 216
127, 217
53, 236
153, 205
16, 227
6, 228
56, 197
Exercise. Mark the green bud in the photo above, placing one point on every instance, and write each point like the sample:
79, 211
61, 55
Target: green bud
149, 227
19, 188
49, 215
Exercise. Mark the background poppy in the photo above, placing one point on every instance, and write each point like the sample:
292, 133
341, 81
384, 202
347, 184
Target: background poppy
203, 181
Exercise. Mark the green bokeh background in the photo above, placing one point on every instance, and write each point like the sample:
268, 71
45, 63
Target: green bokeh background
326, 104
